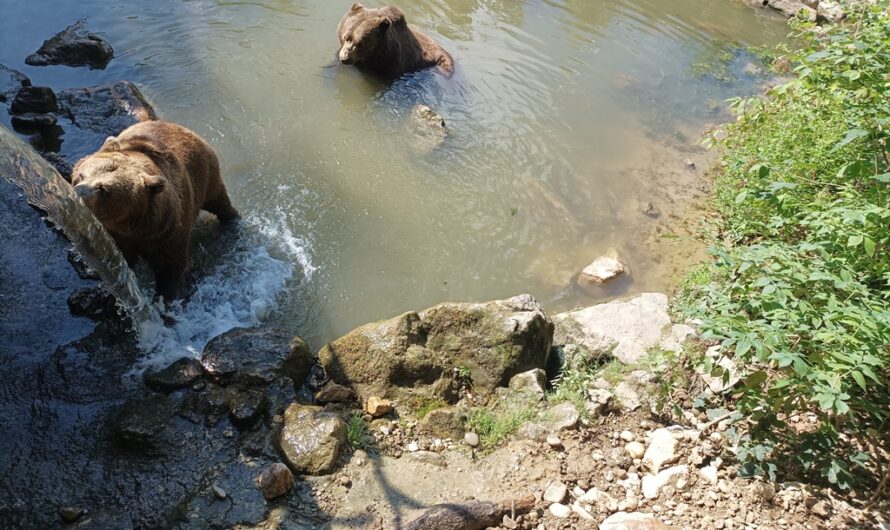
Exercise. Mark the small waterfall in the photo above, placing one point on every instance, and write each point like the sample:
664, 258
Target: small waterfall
45, 189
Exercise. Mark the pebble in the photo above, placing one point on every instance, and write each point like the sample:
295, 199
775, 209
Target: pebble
376, 406
636, 450
560, 510
413, 447
554, 441
275, 480
472, 439
581, 512
709, 473
821, 509
555, 492
218, 492
508, 522
627, 436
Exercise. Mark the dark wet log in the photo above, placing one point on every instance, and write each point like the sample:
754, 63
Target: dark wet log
470, 515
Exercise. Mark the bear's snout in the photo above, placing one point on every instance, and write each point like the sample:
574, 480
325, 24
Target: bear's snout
345, 54
84, 191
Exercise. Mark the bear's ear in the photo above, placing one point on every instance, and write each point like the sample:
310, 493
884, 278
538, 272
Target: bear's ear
111, 144
383, 23
356, 8
395, 15
155, 183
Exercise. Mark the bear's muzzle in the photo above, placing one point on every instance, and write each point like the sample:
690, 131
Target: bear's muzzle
84, 191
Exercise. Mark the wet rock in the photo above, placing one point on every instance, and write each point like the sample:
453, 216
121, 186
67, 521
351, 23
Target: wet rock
75, 46
256, 357
633, 325
92, 302
141, 424
69, 514
471, 439
311, 439
603, 269
632, 521
106, 109
662, 449
556, 492
275, 481
181, 373
653, 484
32, 122
562, 416
560, 510
376, 406
415, 356
246, 409
793, 8
10, 83
34, 99
443, 423
331, 392
532, 382
207, 406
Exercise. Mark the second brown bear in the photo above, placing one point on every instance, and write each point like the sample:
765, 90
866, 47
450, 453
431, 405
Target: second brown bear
146, 187
379, 40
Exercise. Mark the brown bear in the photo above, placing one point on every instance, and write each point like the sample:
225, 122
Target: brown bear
379, 40
147, 186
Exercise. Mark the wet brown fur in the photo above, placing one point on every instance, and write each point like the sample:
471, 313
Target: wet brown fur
380, 40
147, 186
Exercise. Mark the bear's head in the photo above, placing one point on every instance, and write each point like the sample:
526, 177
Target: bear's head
362, 31
119, 185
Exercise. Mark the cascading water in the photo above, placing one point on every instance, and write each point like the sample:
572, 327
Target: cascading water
46, 190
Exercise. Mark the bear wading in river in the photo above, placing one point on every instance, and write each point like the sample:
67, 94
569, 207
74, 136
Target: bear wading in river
379, 40
147, 186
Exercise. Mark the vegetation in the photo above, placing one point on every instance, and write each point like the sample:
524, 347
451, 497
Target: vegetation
494, 426
357, 435
798, 294
430, 406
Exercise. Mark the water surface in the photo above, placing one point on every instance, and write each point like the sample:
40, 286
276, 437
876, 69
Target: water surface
567, 117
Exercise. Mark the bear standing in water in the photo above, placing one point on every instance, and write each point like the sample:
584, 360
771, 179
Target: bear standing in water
146, 187
380, 40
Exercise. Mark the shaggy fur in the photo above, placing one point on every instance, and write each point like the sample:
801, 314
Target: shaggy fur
146, 187
379, 40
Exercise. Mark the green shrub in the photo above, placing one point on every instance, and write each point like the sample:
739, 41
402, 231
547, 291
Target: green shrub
799, 291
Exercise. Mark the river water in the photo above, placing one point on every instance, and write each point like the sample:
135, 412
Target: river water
566, 117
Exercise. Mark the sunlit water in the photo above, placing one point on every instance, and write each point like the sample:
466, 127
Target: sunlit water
564, 117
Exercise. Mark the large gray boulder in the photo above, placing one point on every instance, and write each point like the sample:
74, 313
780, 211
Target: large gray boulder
417, 355
624, 329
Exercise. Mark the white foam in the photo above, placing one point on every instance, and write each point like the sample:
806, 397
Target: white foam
241, 291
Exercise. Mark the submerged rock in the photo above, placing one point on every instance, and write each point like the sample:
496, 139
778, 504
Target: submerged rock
416, 355
92, 302
256, 357
34, 99
141, 424
604, 268
311, 439
427, 126
74, 46
106, 109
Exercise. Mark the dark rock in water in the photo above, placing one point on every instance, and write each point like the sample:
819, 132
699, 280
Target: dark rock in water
34, 99
48, 140
141, 424
69, 514
10, 83
64, 168
92, 302
256, 357
31, 122
106, 109
275, 481
331, 392
80, 267
75, 46
247, 408
180, 374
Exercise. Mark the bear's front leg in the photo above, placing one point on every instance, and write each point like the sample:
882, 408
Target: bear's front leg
168, 270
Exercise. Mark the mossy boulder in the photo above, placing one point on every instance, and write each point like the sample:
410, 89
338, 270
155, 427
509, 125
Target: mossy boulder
419, 356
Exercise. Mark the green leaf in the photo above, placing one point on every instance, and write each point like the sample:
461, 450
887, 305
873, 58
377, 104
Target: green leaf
854, 241
852, 135
740, 198
869, 247
860, 379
